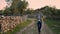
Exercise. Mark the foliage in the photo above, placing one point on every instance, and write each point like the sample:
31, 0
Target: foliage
30, 11
8, 11
17, 7
51, 12
54, 25
22, 5
1, 12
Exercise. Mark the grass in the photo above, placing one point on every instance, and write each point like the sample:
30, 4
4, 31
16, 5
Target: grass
54, 25
19, 27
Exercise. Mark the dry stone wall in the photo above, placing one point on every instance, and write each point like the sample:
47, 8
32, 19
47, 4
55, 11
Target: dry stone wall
9, 22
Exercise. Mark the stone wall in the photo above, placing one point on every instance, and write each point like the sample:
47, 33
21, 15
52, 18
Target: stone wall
9, 22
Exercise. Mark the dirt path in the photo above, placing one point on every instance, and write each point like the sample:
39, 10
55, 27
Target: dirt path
27, 28
32, 29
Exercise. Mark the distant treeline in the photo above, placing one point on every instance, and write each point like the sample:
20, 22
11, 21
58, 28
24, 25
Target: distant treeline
50, 12
18, 7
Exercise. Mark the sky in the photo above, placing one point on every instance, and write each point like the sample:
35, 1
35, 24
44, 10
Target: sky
34, 4
41, 3
2, 4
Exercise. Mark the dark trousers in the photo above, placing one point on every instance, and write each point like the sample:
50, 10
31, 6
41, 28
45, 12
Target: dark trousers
39, 30
39, 24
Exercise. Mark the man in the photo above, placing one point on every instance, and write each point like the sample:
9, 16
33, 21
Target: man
39, 23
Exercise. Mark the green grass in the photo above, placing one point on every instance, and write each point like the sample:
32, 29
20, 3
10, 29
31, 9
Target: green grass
54, 25
19, 27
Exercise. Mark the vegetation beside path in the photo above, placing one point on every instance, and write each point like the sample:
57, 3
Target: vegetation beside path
54, 25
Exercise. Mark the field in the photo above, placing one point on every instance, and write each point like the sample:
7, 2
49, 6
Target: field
54, 25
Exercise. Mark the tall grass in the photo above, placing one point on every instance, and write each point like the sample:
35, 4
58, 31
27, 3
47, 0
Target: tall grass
54, 25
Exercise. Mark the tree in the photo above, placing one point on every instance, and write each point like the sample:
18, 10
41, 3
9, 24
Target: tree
22, 5
30, 11
1, 12
18, 6
8, 11
51, 12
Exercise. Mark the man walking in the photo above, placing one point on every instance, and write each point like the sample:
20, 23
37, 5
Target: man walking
39, 23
